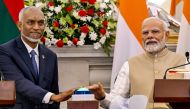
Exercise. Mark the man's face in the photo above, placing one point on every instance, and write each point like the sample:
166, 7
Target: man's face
154, 36
32, 25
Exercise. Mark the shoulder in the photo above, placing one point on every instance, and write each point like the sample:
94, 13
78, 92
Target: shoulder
8, 46
136, 58
176, 56
47, 50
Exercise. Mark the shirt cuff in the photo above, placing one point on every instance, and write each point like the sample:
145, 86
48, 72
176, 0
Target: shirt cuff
47, 97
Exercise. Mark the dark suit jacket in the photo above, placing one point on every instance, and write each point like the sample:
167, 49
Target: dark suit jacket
16, 65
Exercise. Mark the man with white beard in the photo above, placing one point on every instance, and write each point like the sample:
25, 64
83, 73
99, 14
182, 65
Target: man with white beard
31, 65
137, 75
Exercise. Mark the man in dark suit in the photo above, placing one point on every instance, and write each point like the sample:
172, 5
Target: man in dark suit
31, 65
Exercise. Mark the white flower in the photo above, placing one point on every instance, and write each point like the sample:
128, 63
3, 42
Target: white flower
111, 7
53, 41
102, 40
49, 14
103, 6
83, 19
107, 34
48, 30
51, 8
75, 14
47, 42
93, 36
69, 43
89, 18
57, 9
40, 5
81, 42
97, 45
106, 1
82, 36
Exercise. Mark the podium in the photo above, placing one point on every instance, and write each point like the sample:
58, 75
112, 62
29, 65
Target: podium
7, 93
174, 91
83, 104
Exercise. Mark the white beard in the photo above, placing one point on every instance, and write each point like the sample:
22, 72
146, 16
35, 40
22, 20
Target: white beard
31, 39
154, 47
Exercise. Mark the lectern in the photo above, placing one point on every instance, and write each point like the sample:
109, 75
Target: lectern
7, 93
174, 91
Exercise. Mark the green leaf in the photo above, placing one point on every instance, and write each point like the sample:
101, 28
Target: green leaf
68, 19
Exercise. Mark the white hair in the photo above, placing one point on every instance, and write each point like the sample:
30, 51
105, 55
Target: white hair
165, 26
23, 10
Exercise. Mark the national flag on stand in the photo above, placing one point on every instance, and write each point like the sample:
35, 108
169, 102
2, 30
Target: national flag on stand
9, 10
174, 4
128, 37
184, 34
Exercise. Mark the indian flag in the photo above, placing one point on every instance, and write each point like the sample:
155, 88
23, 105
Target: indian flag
9, 10
184, 34
128, 37
174, 4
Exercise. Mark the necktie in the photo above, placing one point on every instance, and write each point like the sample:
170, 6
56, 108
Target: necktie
33, 53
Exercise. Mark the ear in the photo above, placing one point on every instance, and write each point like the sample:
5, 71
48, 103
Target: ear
19, 25
167, 33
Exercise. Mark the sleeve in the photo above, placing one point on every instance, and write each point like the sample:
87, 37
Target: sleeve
24, 86
54, 85
121, 86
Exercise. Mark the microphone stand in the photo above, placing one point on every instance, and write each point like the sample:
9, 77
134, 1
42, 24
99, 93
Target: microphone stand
174, 68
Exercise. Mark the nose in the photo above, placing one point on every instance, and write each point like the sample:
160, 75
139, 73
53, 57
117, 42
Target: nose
36, 26
150, 33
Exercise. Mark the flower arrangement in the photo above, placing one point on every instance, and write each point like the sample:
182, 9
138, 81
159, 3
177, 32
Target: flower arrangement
80, 22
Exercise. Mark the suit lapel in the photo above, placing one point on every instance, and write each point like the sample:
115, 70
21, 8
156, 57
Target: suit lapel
26, 57
42, 62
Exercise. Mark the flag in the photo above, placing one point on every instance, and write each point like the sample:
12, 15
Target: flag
174, 3
128, 37
9, 10
184, 34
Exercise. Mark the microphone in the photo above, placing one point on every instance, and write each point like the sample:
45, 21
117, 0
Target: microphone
187, 56
174, 68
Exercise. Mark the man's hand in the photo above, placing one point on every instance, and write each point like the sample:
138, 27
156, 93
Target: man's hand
63, 96
98, 91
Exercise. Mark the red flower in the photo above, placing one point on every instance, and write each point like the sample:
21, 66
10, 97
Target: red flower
91, 1
43, 39
55, 24
103, 31
75, 40
105, 23
84, 29
83, 1
69, 8
90, 12
59, 43
72, 26
82, 13
51, 4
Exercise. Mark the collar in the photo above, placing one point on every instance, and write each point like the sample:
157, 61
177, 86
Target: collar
157, 55
29, 49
